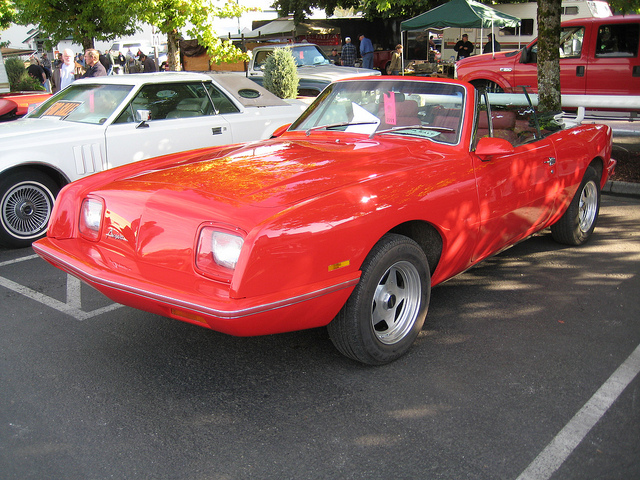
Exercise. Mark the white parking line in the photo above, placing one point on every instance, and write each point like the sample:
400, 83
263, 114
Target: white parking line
17, 260
68, 309
73, 305
554, 455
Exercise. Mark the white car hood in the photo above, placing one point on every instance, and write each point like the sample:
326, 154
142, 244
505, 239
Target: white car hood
333, 72
30, 132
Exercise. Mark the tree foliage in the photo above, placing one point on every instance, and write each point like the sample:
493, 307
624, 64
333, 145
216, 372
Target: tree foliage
300, 9
83, 20
195, 18
7, 12
281, 74
19, 79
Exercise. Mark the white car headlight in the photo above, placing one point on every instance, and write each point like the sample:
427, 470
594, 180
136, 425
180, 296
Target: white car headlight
226, 249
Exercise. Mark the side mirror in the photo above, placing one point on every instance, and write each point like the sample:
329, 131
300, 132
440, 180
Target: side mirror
280, 130
489, 146
143, 116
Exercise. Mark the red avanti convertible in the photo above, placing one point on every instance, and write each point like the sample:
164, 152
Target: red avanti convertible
382, 189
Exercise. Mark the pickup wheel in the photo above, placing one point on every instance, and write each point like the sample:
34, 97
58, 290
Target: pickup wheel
26, 201
388, 306
578, 222
488, 85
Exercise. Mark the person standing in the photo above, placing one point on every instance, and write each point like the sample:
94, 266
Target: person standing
464, 47
105, 60
396, 61
64, 74
148, 65
334, 58
348, 53
366, 51
487, 48
36, 71
92, 62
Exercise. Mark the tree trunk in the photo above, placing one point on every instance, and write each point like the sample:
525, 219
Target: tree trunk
549, 99
173, 51
87, 43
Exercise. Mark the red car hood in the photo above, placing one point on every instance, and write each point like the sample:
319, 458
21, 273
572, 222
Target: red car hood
274, 173
155, 209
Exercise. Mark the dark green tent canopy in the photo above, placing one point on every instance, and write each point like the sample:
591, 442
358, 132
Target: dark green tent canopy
461, 13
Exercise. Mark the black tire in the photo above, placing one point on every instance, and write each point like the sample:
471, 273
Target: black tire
488, 85
26, 201
388, 306
578, 222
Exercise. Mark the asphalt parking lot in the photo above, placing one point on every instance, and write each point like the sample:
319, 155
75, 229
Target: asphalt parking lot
527, 368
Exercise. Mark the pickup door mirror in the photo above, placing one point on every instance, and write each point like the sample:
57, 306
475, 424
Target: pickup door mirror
490, 146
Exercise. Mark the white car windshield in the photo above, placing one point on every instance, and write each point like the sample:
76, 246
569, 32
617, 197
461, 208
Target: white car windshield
92, 104
429, 110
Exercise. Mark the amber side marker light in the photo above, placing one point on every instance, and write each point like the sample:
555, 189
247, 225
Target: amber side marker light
188, 316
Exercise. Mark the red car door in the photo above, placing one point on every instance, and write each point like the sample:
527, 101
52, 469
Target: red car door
516, 194
615, 66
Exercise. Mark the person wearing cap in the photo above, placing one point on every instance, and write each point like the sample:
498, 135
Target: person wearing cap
464, 47
335, 59
366, 51
487, 47
348, 53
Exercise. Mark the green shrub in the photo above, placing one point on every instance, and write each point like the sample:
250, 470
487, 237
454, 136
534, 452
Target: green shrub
281, 74
19, 80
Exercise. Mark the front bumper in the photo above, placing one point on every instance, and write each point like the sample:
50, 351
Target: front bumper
191, 298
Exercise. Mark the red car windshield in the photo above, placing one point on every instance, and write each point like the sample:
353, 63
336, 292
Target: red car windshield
430, 110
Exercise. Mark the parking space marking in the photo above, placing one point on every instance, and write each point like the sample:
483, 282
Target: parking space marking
554, 455
73, 305
21, 259
69, 309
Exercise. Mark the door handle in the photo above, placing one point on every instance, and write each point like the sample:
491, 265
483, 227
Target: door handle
216, 130
550, 161
580, 71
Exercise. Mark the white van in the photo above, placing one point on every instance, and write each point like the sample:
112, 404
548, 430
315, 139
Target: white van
126, 46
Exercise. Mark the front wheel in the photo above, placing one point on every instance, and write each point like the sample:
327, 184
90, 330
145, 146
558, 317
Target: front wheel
26, 202
487, 85
578, 222
387, 309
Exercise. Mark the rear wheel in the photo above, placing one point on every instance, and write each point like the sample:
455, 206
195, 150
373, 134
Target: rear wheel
578, 222
387, 309
26, 201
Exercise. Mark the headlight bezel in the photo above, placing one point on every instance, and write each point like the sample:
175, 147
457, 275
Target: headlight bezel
217, 250
91, 218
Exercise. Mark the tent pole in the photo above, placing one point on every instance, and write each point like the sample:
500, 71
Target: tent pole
402, 56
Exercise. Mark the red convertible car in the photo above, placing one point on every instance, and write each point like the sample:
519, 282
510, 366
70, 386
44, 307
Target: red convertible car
383, 188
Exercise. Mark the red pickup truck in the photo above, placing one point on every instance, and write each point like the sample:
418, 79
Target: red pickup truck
598, 56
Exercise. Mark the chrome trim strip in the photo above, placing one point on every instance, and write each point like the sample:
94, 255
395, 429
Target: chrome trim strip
169, 301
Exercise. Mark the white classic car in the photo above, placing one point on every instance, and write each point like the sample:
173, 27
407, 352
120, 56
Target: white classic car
104, 122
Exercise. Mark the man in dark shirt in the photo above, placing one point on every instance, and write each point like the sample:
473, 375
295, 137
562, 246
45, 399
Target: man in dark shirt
92, 62
488, 48
464, 47
148, 65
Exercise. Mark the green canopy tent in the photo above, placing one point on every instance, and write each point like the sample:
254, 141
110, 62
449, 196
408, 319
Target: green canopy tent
461, 14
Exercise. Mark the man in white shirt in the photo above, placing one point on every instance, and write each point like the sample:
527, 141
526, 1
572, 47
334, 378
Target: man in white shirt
65, 74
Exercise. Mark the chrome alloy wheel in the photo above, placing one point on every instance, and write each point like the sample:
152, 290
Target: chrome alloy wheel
26, 208
396, 303
588, 206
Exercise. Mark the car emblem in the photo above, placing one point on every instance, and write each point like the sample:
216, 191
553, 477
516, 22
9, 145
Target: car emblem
115, 235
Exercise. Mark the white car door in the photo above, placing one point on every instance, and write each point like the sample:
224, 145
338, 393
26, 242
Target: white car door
181, 117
